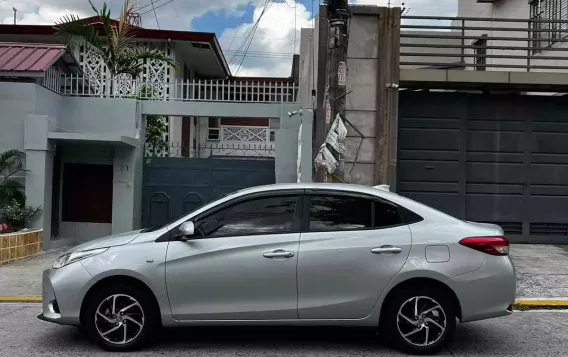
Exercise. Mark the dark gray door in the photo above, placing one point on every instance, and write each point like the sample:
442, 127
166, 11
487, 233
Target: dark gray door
175, 186
488, 158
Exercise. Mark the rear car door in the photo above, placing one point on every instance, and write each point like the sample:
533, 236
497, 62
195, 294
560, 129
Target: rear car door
241, 265
351, 246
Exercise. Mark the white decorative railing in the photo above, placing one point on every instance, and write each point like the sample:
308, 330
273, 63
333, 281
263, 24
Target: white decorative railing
52, 79
245, 134
182, 90
243, 150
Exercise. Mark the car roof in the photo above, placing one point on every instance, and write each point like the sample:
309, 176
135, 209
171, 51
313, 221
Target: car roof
381, 190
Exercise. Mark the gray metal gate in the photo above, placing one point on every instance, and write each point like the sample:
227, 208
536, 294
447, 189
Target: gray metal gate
175, 186
488, 158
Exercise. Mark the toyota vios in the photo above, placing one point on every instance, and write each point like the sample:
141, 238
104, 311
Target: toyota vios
289, 254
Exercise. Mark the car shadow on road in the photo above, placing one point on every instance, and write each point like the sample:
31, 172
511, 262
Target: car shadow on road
471, 339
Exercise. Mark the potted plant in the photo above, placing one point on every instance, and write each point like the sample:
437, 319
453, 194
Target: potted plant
17, 215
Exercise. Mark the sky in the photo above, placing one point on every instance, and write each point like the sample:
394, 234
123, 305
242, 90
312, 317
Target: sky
275, 40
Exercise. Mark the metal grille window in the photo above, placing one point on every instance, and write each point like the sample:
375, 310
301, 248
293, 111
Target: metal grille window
480, 49
546, 34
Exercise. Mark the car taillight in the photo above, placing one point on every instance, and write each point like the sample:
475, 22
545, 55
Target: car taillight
490, 245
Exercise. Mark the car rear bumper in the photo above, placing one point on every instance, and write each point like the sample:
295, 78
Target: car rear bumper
487, 292
62, 293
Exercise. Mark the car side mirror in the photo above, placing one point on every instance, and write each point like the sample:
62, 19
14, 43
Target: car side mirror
187, 229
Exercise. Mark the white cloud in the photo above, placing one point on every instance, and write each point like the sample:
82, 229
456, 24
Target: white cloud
172, 15
274, 37
270, 53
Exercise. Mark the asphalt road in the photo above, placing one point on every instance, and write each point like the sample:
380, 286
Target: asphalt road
535, 333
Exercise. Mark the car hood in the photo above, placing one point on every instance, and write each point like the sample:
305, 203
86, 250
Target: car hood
110, 241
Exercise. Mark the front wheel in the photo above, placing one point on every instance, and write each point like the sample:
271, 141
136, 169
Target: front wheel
120, 318
420, 321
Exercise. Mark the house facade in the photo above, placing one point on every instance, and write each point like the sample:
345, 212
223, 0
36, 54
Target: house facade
466, 127
83, 132
516, 34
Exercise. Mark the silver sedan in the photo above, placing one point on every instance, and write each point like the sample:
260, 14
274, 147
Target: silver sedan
293, 254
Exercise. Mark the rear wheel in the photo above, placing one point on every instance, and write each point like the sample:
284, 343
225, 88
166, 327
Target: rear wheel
120, 318
420, 321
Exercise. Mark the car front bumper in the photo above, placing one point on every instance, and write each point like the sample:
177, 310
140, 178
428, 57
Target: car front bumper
63, 291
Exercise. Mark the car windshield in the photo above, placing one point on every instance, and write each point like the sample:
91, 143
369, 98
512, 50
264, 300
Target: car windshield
158, 227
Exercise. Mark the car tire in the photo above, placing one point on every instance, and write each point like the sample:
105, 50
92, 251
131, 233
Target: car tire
425, 333
129, 327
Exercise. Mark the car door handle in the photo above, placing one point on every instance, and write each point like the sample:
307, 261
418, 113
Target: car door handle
278, 254
386, 249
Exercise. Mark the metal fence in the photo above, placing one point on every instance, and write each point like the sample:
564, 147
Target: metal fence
484, 43
255, 91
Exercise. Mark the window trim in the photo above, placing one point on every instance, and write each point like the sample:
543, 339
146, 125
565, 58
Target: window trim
296, 219
372, 198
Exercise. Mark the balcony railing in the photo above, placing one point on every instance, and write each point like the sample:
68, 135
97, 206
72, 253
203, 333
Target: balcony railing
182, 90
484, 44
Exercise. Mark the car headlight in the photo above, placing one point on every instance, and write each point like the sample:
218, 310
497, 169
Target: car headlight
72, 257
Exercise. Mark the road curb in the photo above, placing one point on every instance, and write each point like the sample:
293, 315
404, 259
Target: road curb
540, 303
20, 299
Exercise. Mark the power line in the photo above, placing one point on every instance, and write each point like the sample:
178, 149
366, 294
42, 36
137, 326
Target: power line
266, 6
240, 23
157, 7
155, 14
146, 6
250, 33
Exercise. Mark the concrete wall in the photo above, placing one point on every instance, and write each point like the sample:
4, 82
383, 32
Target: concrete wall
361, 106
28, 113
16, 101
88, 115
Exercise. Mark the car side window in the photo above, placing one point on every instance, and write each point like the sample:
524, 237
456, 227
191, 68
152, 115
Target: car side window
386, 214
339, 213
266, 215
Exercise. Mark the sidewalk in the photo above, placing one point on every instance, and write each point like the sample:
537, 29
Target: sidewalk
542, 270
23, 278
542, 274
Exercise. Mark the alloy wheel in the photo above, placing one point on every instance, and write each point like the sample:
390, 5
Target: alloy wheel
421, 321
119, 319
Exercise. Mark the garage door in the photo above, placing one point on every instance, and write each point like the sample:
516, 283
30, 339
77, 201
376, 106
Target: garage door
501, 159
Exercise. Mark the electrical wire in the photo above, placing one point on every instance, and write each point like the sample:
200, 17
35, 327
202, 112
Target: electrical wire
268, 3
252, 33
157, 7
248, 35
155, 14
240, 23
146, 6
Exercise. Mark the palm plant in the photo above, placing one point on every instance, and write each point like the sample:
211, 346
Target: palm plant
113, 41
11, 163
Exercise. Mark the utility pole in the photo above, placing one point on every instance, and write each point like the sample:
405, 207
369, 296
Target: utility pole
338, 17
15, 14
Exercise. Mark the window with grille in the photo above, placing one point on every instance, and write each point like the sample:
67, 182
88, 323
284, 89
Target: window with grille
214, 130
480, 50
547, 26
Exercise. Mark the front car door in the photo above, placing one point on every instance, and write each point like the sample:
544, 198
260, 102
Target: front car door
241, 264
350, 248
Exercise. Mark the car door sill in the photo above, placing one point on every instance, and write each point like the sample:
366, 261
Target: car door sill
354, 322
